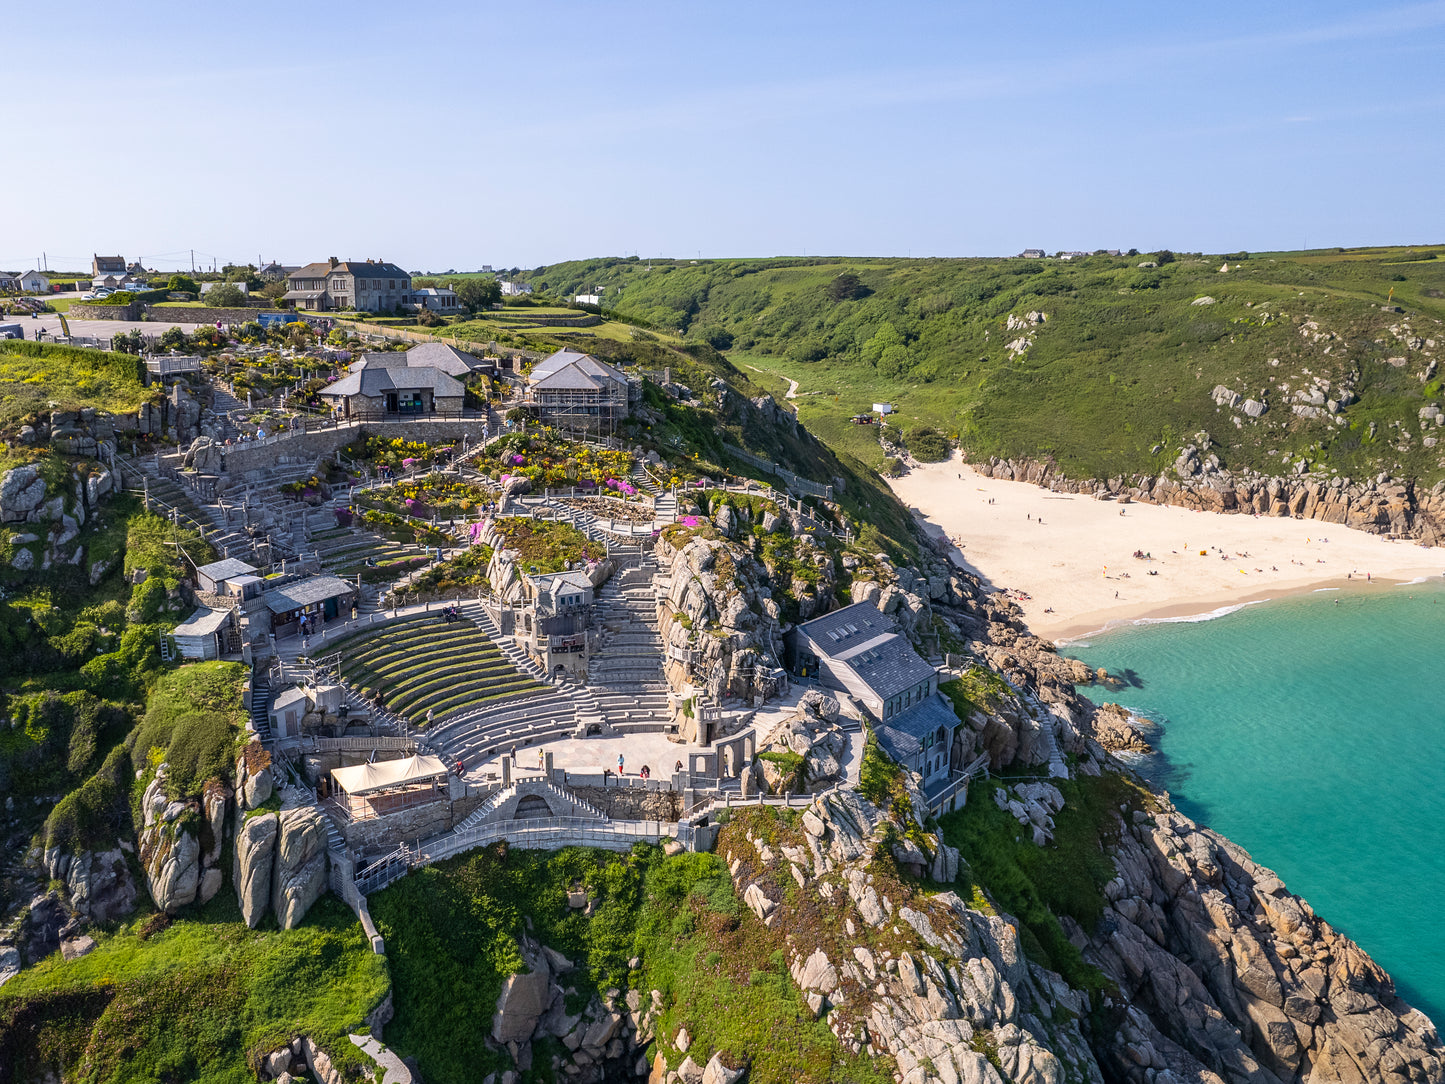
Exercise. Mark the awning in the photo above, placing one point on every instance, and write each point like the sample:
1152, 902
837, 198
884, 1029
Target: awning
369, 778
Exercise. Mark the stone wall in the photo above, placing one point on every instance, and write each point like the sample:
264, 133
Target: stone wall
83, 310
384, 833
190, 315
633, 803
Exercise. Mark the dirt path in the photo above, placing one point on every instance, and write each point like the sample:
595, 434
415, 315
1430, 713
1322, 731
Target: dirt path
792, 392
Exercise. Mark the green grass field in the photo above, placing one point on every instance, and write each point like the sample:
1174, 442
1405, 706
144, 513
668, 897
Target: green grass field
200, 998
41, 376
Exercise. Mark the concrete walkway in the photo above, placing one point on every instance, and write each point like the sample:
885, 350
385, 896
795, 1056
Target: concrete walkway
592, 755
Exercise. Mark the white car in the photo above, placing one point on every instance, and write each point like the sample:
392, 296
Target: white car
87, 297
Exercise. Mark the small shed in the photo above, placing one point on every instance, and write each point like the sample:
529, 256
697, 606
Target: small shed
244, 587
210, 577
287, 710
319, 598
389, 786
205, 634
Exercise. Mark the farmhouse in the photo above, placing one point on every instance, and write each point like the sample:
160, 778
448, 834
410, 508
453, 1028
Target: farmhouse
370, 286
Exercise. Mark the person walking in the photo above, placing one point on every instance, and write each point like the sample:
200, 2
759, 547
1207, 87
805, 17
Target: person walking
620, 772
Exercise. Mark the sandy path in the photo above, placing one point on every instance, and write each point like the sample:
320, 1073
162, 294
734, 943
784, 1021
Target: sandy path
792, 392
1073, 555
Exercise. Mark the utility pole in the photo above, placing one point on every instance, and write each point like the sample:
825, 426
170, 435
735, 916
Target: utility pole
193, 261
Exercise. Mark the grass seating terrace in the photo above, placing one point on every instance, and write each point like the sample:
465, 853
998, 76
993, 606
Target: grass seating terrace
423, 663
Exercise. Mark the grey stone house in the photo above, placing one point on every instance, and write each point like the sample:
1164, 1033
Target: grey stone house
859, 651
382, 385
369, 286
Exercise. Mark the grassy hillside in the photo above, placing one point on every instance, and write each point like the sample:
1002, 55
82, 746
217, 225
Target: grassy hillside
1124, 364
202, 998
39, 376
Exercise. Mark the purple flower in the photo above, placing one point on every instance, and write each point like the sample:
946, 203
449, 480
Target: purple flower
689, 521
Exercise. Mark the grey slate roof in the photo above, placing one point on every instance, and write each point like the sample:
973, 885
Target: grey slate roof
377, 380
441, 356
204, 620
574, 361
225, 570
888, 664
901, 736
837, 629
306, 592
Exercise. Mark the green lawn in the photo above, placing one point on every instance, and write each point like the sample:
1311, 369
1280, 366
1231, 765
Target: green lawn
39, 376
198, 999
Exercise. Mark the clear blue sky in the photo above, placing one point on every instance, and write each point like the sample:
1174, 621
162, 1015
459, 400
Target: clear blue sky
453, 135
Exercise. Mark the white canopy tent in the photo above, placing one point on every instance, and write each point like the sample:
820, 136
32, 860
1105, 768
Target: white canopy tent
362, 779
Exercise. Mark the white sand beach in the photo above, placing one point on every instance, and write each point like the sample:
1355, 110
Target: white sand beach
1073, 555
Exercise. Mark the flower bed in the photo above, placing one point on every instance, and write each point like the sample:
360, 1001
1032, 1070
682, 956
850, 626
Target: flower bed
549, 461
401, 528
447, 498
547, 546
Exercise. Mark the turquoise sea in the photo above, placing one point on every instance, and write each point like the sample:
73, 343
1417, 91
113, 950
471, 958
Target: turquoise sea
1311, 730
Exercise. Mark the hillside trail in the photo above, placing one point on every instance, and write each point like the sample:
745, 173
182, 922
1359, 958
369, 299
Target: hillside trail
792, 392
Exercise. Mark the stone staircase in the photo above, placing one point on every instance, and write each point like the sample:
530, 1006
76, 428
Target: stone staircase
261, 704
625, 672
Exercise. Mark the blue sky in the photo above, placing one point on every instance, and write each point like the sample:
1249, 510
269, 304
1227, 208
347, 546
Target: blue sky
522, 134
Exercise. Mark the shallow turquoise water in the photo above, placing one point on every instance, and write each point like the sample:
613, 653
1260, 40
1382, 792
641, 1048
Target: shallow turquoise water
1311, 731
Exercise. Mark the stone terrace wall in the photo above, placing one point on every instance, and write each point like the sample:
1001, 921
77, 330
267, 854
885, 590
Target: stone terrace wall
186, 315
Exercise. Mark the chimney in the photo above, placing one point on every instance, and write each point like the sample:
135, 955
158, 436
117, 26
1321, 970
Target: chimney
333, 261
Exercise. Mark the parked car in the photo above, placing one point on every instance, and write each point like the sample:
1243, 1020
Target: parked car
87, 297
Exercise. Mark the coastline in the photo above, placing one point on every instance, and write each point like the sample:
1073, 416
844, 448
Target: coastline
1067, 559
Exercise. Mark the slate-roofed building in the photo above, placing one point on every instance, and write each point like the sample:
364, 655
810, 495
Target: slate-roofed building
577, 391
318, 598
553, 625
859, 650
366, 286
448, 359
211, 577
379, 385
106, 265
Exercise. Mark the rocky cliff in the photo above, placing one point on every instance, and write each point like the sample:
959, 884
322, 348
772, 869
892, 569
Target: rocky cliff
1380, 505
1208, 969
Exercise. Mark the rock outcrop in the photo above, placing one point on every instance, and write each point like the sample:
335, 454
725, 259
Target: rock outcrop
253, 865
299, 877
99, 883
170, 849
812, 733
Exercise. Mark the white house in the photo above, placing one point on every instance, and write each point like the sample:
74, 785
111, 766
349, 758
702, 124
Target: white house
35, 282
516, 289
589, 299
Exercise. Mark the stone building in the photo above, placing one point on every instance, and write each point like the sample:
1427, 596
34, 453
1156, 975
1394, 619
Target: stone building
383, 385
576, 391
370, 286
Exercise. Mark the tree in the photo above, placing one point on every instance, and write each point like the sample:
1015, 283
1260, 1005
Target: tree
184, 283
927, 444
173, 338
1163, 256
477, 294
847, 287
226, 296
272, 291
127, 342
